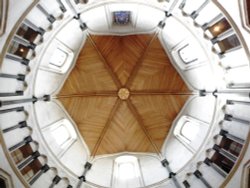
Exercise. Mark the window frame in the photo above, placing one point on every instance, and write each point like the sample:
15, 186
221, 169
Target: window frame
196, 61
7, 178
245, 180
63, 147
117, 164
194, 124
244, 15
67, 62
3, 15
182, 139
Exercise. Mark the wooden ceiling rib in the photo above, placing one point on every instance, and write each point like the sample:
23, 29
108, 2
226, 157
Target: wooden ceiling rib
90, 115
124, 131
89, 74
122, 53
109, 124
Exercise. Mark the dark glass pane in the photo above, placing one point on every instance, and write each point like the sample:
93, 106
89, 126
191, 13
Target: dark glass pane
229, 43
231, 146
248, 11
249, 176
121, 17
22, 153
223, 162
32, 169
219, 27
27, 33
2, 183
18, 49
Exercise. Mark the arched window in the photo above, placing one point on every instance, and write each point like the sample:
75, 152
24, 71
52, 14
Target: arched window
2, 183
61, 57
187, 54
189, 130
3, 15
27, 33
245, 13
22, 153
5, 179
60, 136
127, 172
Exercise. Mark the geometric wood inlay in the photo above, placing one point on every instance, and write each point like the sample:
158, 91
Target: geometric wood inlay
123, 94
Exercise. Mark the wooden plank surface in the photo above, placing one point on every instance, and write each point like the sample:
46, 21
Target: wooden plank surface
138, 124
89, 74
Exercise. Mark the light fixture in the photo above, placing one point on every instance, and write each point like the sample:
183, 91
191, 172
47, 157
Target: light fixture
217, 28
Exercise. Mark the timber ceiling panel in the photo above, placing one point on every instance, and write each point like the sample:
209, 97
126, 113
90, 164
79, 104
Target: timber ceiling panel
89, 74
126, 133
151, 94
157, 73
122, 53
90, 114
158, 113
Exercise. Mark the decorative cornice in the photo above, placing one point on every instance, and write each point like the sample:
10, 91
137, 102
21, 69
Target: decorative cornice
4, 5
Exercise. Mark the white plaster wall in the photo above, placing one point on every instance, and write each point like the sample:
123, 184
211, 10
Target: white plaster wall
214, 179
45, 180
18, 134
232, 59
177, 154
72, 38
237, 129
195, 182
36, 14
199, 74
171, 36
50, 110
200, 108
240, 111
10, 85
192, 5
75, 158
78, 151
152, 170
11, 119
12, 67
101, 172
238, 75
208, 13
100, 19
52, 7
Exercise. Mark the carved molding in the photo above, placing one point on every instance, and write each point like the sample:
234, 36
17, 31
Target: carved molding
245, 177
3, 15
6, 178
245, 14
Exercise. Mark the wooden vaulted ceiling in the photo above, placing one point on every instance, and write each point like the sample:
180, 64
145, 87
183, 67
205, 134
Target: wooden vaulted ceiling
139, 123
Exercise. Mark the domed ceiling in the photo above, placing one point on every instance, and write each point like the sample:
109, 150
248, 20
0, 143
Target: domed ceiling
123, 94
